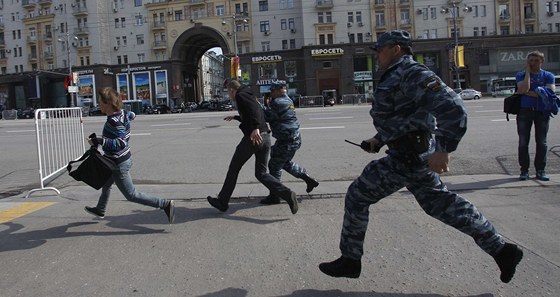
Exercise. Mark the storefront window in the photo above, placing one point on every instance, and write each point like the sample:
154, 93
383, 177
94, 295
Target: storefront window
268, 71
290, 68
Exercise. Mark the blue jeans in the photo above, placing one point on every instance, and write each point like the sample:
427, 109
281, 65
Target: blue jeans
122, 179
525, 120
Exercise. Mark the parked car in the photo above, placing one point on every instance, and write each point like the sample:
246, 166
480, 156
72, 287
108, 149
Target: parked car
95, 111
329, 101
162, 108
468, 94
225, 105
27, 113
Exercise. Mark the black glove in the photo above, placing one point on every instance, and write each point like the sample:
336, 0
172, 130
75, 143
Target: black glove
365, 146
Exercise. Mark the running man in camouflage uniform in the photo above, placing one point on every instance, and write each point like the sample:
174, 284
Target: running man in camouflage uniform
412, 103
281, 115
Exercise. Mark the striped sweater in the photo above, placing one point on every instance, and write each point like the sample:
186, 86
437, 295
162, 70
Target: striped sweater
116, 134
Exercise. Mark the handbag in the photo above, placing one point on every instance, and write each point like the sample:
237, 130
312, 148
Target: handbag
512, 104
94, 170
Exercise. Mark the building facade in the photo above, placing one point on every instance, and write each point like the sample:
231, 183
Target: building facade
154, 51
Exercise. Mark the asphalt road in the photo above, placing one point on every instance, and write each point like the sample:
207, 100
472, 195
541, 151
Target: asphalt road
56, 249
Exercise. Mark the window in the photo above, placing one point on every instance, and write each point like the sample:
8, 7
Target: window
529, 29
124, 40
433, 13
220, 10
358, 16
327, 65
282, 4
283, 24
139, 20
117, 41
482, 10
265, 26
380, 19
123, 22
290, 68
350, 17
434, 34
324, 17
116, 22
263, 5
504, 30
125, 59
475, 10
140, 39
405, 16
475, 31
265, 46
137, 3
426, 34
321, 39
553, 55
267, 71
284, 44
360, 37
351, 38
119, 60
291, 23
292, 43
483, 31
557, 26
290, 3
425, 14
179, 15
504, 11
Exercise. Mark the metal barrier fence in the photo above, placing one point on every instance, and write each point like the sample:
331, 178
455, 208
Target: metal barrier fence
353, 99
311, 101
60, 139
9, 114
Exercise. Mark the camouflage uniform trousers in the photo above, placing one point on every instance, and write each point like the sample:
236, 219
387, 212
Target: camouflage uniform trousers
381, 178
281, 155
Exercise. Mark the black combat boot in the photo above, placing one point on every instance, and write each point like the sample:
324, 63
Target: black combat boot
218, 203
342, 267
311, 182
291, 198
507, 259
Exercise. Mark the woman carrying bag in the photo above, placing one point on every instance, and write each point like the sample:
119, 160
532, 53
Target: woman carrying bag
116, 134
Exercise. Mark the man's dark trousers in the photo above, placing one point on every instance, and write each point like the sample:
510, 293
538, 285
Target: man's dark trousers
245, 149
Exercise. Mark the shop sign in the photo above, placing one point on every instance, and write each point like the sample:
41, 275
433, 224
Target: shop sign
263, 82
267, 59
81, 72
362, 75
140, 68
327, 52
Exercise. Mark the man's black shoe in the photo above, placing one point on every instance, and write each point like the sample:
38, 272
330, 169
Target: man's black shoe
507, 260
217, 203
311, 182
290, 197
170, 211
270, 200
95, 211
342, 267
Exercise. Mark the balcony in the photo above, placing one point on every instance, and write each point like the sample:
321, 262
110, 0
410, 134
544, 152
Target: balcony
158, 26
198, 3
28, 4
47, 37
160, 44
79, 11
530, 16
324, 4
2, 43
505, 18
32, 39
405, 23
379, 4
45, 2
1, 26
32, 58
404, 3
48, 56
81, 30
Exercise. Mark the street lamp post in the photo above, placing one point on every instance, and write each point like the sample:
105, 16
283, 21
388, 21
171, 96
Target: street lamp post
234, 19
454, 14
67, 41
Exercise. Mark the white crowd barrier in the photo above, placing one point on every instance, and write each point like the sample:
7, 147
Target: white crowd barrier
60, 139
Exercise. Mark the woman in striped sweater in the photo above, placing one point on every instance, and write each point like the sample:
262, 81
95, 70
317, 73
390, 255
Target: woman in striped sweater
116, 134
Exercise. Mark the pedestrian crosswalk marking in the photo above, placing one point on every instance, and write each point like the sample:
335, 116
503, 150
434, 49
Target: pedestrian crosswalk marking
22, 209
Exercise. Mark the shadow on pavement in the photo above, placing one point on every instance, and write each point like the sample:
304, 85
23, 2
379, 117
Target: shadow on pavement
235, 292
486, 184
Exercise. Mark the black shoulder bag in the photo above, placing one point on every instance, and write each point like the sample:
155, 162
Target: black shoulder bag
512, 104
94, 170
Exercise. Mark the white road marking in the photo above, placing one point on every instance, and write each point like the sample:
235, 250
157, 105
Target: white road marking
331, 118
164, 125
140, 134
317, 128
17, 131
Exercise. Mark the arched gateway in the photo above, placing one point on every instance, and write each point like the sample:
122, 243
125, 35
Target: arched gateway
187, 51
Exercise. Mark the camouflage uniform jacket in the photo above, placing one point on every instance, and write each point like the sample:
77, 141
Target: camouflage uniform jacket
410, 97
281, 115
